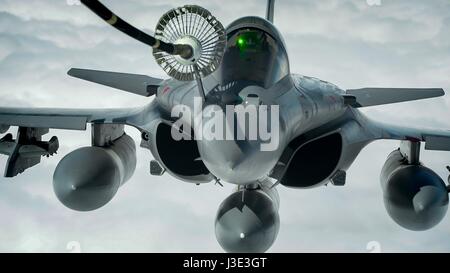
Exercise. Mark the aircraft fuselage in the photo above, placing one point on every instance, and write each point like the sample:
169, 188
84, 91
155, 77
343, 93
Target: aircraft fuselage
304, 104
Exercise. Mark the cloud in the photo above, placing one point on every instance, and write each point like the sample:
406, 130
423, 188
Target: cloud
398, 44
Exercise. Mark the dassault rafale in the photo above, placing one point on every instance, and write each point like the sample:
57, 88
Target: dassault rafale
231, 111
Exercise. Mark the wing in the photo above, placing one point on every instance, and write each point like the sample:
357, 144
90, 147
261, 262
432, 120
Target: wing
27, 149
70, 119
377, 96
435, 139
137, 84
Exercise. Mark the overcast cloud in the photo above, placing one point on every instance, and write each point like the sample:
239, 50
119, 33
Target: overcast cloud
401, 43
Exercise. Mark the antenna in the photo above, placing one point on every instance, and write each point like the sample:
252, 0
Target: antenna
270, 10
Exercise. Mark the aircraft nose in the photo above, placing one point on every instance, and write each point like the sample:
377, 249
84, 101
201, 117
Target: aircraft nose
232, 162
234, 159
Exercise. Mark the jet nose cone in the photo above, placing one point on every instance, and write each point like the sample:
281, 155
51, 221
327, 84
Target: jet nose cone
234, 150
236, 162
247, 222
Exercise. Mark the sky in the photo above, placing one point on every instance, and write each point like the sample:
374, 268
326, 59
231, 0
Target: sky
352, 43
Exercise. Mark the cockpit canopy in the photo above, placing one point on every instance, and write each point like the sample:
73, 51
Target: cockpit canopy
255, 54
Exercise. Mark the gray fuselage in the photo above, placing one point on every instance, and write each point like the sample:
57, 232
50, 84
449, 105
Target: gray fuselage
304, 104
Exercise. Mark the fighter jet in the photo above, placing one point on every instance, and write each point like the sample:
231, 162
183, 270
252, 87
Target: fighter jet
307, 131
